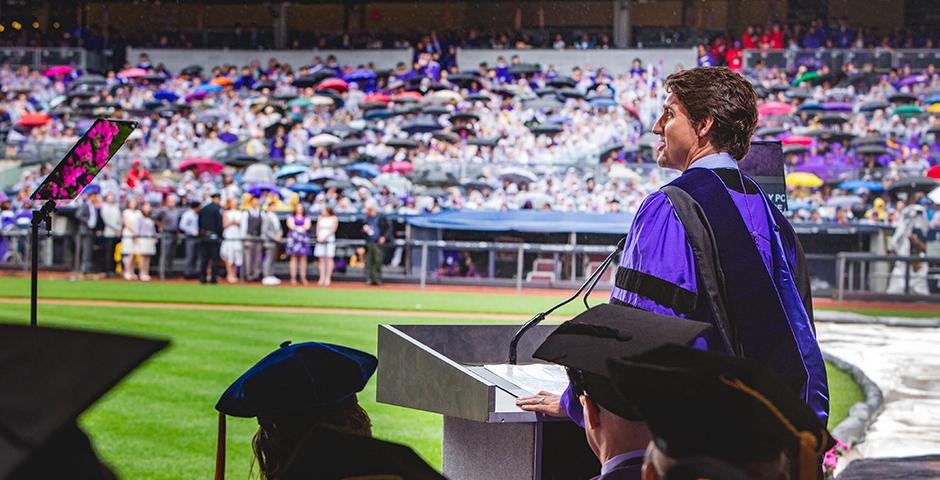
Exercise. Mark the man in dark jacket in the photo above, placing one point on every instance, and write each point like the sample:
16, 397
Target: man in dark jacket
89, 218
210, 234
377, 231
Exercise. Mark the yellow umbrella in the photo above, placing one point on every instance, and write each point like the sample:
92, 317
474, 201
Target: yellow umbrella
803, 179
934, 108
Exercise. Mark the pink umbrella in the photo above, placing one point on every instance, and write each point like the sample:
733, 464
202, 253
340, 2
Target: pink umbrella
402, 166
337, 84
59, 70
200, 165
797, 140
773, 109
33, 119
376, 97
132, 73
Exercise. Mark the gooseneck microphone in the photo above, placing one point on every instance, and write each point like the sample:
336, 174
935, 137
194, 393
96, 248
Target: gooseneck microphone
588, 284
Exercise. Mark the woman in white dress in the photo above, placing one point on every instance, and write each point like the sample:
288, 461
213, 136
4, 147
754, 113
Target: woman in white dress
131, 217
146, 244
325, 250
232, 248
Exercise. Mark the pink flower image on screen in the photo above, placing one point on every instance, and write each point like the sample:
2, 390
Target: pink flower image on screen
81, 166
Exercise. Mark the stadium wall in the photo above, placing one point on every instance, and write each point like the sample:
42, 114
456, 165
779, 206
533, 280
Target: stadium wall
616, 61
177, 59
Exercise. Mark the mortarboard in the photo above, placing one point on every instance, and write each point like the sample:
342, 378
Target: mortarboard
586, 342
329, 454
700, 403
293, 379
49, 377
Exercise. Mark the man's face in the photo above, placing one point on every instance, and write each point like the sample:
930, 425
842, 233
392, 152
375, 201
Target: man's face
677, 135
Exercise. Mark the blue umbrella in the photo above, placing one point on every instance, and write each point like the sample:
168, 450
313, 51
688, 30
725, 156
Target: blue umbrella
356, 75
322, 175
209, 87
166, 95
363, 169
258, 188
422, 126
378, 113
306, 188
932, 99
290, 170
806, 107
853, 185
228, 137
603, 102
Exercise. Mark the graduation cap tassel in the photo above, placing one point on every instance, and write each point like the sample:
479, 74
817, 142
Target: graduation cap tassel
220, 450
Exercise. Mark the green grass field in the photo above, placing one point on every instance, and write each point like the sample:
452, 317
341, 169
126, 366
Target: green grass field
161, 423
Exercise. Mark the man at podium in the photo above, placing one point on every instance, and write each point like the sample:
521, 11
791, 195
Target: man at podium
711, 247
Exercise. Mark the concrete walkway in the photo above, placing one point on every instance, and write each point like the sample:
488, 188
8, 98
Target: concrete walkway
905, 363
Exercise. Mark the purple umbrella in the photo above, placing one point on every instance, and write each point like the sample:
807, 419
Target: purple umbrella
913, 79
258, 188
838, 107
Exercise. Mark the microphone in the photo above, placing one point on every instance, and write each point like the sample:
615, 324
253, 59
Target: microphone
590, 283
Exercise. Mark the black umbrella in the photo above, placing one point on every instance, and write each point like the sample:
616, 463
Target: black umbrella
902, 98
873, 140
271, 129
547, 129
365, 106
89, 80
338, 101
435, 110
81, 93
543, 103
504, 92
836, 136
832, 118
105, 105
794, 149
525, 69
464, 117
241, 160
561, 82
348, 144
770, 131
779, 87
484, 141
546, 91
191, 70
421, 125
167, 111
610, 150
876, 150
478, 97
463, 79
402, 143
436, 178
265, 84
934, 130
449, 137
913, 184
861, 81
478, 185
799, 93
308, 81
872, 106
406, 110
570, 93
153, 78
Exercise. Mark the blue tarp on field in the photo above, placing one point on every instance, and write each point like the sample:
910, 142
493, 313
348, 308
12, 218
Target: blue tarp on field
531, 221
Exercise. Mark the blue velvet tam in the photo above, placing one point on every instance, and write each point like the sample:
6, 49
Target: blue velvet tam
295, 378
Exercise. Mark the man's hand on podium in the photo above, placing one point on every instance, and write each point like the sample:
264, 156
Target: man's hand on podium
546, 403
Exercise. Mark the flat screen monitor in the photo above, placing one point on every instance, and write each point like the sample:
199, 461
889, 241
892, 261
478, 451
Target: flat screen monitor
764, 163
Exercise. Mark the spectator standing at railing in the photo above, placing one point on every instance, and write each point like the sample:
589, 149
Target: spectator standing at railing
146, 241
232, 251
325, 249
376, 230
167, 217
88, 216
271, 235
111, 218
252, 219
210, 236
130, 220
189, 227
298, 243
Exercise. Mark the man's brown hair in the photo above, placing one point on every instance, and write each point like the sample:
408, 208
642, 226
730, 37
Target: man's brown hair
727, 97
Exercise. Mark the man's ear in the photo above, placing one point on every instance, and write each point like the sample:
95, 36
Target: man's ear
704, 127
592, 415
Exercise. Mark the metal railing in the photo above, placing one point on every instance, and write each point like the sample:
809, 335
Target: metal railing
36, 57
835, 59
859, 273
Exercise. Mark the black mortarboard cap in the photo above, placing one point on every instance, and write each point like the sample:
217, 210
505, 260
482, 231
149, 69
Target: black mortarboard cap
49, 376
586, 342
297, 377
330, 454
700, 403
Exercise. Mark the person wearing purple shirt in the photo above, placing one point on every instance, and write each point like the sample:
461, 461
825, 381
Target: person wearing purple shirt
711, 247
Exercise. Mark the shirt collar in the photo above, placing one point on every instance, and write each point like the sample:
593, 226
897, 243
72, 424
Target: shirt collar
716, 160
615, 461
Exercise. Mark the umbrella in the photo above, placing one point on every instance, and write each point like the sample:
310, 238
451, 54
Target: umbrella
913, 184
326, 98
363, 169
305, 188
335, 84
209, 116
867, 185
421, 126
868, 141
81, 94
797, 140
448, 137
58, 70
435, 110
191, 70
518, 175
876, 150
902, 98
264, 85
301, 102
323, 140
931, 99
259, 189
436, 178
153, 77
308, 81
402, 143
546, 91
401, 166
339, 184
543, 103
362, 182
478, 97
837, 107
794, 149
209, 87
132, 73
89, 79
290, 171
913, 80
200, 165
934, 172
770, 131
348, 144
166, 95
561, 82
603, 101
478, 185
444, 96
358, 75
836, 136
484, 141
799, 93
570, 93
463, 79
771, 109
365, 106
406, 97
832, 119
393, 181
241, 160
806, 77
872, 106
377, 114
804, 179
547, 129
810, 107
258, 173
376, 97
464, 117
934, 108
908, 111
844, 201
33, 119
525, 69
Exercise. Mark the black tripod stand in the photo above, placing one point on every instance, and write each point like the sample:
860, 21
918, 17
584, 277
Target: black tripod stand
43, 214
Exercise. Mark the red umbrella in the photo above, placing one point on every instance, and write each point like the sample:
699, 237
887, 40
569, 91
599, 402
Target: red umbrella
200, 165
402, 166
221, 81
407, 95
33, 119
376, 97
771, 109
59, 70
934, 172
797, 140
337, 84
132, 73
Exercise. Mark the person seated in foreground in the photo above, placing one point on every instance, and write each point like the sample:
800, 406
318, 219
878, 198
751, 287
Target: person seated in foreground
614, 429
713, 412
310, 423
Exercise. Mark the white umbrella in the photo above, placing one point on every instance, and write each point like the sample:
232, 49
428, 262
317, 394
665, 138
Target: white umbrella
443, 96
393, 182
618, 170
518, 175
934, 195
323, 140
258, 173
362, 182
321, 100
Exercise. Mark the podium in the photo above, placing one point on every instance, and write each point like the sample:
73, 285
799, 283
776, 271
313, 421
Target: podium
441, 369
